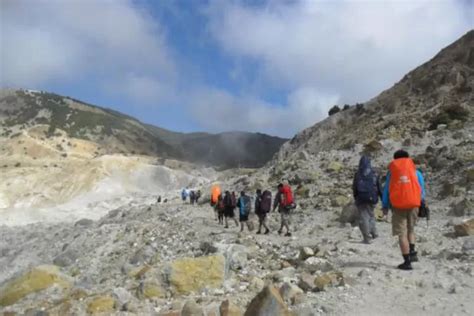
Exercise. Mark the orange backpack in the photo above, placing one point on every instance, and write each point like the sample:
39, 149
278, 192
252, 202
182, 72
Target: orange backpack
405, 191
215, 192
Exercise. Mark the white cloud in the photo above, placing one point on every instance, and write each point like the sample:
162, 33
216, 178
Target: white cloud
218, 110
349, 48
52, 41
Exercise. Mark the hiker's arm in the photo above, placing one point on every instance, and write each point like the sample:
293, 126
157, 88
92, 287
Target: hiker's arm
354, 186
379, 187
385, 195
275, 202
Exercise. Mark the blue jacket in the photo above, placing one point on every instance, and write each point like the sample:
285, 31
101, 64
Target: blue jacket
386, 193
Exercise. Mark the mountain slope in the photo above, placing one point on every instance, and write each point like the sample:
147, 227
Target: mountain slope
115, 132
437, 92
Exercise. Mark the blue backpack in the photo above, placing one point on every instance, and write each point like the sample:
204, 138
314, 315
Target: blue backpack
245, 205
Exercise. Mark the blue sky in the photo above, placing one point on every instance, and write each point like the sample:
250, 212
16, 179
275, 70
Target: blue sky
267, 66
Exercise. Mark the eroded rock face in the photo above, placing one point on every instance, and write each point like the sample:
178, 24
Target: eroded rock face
189, 275
268, 302
35, 280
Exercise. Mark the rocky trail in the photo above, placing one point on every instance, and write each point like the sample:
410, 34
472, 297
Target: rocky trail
131, 262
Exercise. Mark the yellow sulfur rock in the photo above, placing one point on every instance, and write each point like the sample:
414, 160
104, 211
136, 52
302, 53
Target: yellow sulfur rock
101, 304
35, 280
194, 274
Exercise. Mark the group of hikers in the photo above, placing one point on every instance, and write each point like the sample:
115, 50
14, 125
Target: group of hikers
193, 195
403, 193
225, 203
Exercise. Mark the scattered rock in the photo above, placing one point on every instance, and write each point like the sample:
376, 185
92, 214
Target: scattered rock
465, 229
85, 222
267, 302
227, 308
35, 280
463, 208
150, 290
66, 258
101, 304
340, 200
190, 308
305, 253
328, 279
189, 275
291, 293
468, 245
334, 166
306, 282
122, 296
314, 264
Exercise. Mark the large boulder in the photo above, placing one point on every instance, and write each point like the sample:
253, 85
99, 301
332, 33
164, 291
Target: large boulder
188, 275
466, 228
349, 214
35, 280
268, 303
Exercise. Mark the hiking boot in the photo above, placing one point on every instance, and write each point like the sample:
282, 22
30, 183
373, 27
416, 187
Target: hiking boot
279, 232
267, 232
414, 256
258, 233
374, 236
288, 234
226, 226
405, 266
366, 241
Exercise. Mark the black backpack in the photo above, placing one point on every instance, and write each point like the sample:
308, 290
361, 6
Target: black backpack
228, 200
367, 191
266, 202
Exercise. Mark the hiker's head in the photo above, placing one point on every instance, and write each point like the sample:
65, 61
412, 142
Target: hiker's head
364, 161
400, 154
280, 186
259, 191
242, 193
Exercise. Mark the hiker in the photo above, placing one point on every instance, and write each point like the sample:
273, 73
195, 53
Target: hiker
159, 199
229, 204
244, 205
215, 192
220, 207
192, 197
184, 195
284, 202
263, 205
366, 191
198, 196
404, 192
